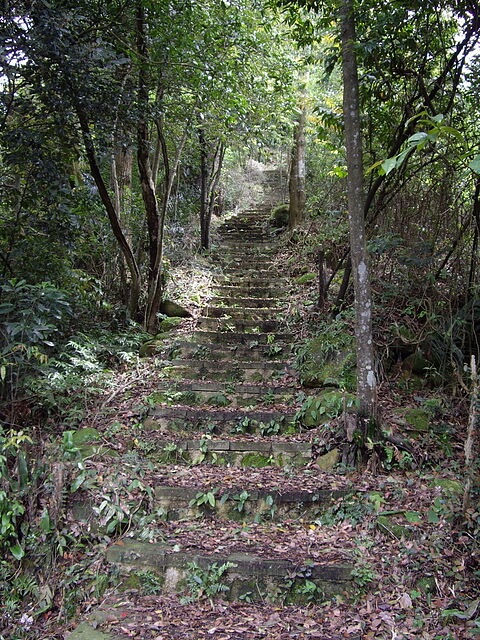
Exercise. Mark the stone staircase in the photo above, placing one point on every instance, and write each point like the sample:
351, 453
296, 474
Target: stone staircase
227, 448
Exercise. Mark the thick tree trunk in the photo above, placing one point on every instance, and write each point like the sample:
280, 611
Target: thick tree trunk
366, 379
297, 174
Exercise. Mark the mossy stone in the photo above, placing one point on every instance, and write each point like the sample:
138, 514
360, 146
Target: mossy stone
449, 487
393, 529
83, 436
174, 310
416, 363
151, 347
167, 324
306, 277
280, 216
86, 632
328, 461
418, 419
256, 460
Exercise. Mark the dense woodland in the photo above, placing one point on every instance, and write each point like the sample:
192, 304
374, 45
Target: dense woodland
127, 130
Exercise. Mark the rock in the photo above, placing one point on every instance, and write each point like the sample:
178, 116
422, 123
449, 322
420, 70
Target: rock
174, 310
418, 419
417, 363
167, 324
82, 436
328, 461
306, 277
153, 346
280, 216
449, 487
86, 632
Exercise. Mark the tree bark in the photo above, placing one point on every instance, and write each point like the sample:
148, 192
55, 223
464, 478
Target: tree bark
297, 174
366, 378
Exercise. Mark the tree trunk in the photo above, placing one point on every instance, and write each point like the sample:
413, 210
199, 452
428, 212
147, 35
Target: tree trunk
366, 379
204, 221
153, 215
111, 212
297, 173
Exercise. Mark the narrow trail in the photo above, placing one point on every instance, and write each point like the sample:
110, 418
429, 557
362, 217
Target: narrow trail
230, 478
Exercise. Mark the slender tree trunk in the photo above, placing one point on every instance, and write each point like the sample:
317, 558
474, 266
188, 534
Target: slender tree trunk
111, 213
366, 379
153, 214
297, 173
204, 222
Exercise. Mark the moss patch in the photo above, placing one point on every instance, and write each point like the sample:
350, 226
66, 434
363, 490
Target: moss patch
256, 460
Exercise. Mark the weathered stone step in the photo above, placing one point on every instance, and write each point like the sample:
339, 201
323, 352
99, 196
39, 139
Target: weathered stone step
232, 338
236, 324
230, 452
221, 352
244, 291
245, 313
244, 503
215, 420
222, 394
249, 575
271, 303
230, 371
252, 278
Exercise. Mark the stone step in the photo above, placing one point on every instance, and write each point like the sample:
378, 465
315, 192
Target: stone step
226, 370
236, 325
226, 451
232, 338
249, 575
251, 278
245, 503
244, 312
231, 291
258, 303
223, 394
215, 420
221, 352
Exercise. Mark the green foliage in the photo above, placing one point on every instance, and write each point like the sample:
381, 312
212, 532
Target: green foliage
206, 583
150, 583
351, 508
31, 318
205, 499
316, 410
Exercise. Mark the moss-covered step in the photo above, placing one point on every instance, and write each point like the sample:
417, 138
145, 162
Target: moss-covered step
238, 303
238, 324
243, 313
230, 452
243, 504
248, 575
233, 338
215, 420
231, 292
234, 371
252, 279
243, 353
218, 393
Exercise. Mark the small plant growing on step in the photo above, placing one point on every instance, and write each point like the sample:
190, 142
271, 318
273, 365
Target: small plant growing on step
205, 499
240, 500
205, 583
272, 428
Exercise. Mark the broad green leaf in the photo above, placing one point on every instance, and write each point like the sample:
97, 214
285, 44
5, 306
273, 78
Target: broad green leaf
417, 137
432, 517
389, 165
17, 551
412, 516
474, 165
